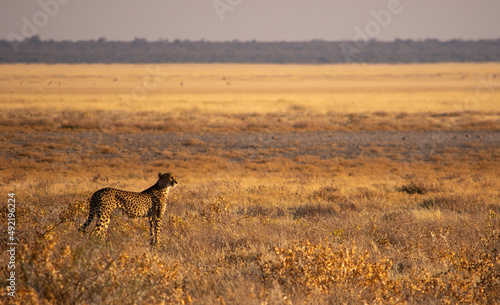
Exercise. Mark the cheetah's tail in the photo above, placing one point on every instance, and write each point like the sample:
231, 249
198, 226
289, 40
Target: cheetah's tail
87, 223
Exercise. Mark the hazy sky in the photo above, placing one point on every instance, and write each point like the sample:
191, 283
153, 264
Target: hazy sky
264, 20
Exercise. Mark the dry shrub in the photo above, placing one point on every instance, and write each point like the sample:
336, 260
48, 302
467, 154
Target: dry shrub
99, 179
328, 193
57, 274
317, 210
471, 275
364, 193
417, 187
72, 210
106, 149
456, 203
216, 211
256, 211
302, 125
327, 201
394, 228
193, 142
261, 211
306, 267
474, 278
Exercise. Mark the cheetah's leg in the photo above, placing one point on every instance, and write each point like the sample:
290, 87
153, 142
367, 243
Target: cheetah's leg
88, 222
101, 225
151, 229
156, 231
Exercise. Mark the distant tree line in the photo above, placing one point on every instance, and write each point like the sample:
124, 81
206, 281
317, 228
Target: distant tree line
35, 50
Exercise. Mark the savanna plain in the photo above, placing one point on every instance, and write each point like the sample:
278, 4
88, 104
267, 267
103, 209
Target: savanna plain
327, 184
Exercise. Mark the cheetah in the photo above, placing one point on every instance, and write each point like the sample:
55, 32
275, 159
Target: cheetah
149, 203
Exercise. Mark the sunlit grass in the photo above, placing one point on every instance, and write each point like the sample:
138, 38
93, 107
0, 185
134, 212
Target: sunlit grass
260, 215
234, 89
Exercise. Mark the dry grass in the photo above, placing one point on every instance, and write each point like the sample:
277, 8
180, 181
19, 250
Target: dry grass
253, 236
185, 121
278, 98
294, 204
437, 88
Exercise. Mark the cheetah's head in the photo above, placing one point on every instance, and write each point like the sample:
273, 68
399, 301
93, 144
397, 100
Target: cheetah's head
166, 180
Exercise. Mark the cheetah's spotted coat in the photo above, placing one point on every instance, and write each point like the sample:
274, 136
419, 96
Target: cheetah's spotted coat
149, 203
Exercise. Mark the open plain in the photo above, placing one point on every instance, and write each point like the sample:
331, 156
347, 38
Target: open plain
298, 184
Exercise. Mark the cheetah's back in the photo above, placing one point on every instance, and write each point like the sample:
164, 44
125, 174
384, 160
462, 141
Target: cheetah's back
134, 204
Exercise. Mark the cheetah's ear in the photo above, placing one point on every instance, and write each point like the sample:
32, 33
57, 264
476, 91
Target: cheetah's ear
159, 175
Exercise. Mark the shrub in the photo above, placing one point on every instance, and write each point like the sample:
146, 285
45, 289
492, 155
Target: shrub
456, 203
316, 210
328, 193
416, 187
306, 267
55, 273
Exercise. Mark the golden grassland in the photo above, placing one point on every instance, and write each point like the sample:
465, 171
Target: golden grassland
234, 89
298, 184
